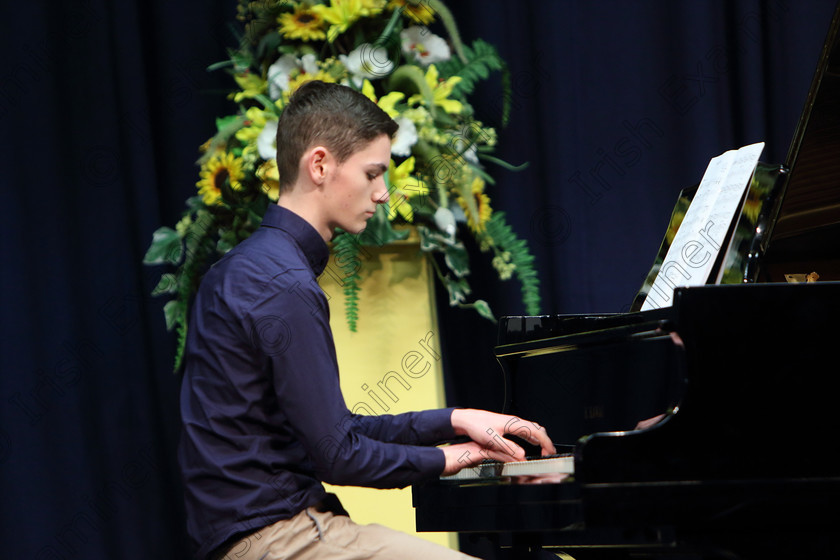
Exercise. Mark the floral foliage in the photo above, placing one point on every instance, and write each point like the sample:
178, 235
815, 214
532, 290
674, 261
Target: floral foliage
408, 57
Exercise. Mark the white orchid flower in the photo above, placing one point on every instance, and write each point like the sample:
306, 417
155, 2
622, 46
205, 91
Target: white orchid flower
280, 72
367, 62
423, 46
405, 137
267, 141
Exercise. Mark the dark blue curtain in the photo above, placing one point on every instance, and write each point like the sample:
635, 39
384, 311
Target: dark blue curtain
103, 105
616, 106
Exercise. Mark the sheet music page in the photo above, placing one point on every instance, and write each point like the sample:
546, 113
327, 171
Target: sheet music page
702, 233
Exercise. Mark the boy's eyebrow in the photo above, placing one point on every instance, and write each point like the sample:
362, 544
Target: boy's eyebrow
381, 166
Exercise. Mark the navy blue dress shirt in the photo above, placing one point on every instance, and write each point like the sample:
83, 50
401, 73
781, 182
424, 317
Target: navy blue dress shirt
264, 420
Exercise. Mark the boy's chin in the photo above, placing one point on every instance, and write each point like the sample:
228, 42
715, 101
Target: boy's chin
355, 229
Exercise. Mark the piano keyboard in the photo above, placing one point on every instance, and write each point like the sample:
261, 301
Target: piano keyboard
558, 464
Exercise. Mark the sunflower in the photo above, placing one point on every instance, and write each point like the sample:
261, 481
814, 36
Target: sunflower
477, 209
304, 23
220, 171
303, 77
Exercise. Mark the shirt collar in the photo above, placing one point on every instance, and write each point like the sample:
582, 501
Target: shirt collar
309, 240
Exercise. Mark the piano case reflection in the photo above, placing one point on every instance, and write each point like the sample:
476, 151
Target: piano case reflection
742, 462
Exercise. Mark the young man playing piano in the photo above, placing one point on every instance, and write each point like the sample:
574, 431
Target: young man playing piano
264, 421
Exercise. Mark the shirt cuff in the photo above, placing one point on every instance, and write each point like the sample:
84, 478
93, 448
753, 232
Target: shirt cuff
438, 425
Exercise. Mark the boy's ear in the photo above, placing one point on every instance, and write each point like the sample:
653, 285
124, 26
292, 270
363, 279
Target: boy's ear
317, 162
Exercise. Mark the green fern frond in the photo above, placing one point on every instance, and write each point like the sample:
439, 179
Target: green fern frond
482, 60
199, 251
505, 240
347, 250
181, 343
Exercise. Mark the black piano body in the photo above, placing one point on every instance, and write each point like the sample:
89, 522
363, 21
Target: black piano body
744, 461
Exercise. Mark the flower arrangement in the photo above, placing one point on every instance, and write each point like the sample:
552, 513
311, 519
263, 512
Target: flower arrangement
437, 177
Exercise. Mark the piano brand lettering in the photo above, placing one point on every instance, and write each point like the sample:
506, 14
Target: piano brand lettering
593, 412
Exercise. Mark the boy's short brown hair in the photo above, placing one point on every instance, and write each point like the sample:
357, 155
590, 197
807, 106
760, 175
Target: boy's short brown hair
334, 116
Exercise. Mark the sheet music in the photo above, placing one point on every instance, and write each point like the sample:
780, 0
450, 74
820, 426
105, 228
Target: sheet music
695, 247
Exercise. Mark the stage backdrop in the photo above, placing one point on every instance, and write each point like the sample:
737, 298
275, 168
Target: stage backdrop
616, 107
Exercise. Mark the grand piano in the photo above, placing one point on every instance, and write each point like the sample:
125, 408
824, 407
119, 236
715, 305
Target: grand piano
705, 429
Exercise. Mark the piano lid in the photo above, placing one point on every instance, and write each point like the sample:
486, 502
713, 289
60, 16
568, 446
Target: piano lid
807, 229
794, 225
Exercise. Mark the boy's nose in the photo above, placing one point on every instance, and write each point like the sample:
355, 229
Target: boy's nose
383, 195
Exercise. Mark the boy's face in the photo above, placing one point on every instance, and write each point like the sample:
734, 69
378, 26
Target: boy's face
356, 186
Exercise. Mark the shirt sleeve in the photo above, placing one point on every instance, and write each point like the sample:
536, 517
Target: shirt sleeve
289, 323
427, 427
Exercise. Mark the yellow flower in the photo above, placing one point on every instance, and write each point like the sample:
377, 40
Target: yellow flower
268, 174
302, 78
440, 91
386, 102
341, 14
476, 206
254, 123
417, 12
220, 170
251, 84
402, 186
304, 23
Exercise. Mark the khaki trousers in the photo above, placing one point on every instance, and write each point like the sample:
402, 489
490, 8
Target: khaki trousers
314, 534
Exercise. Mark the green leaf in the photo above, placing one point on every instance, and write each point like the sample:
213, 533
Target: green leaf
445, 16
172, 313
223, 122
168, 284
502, 236
457, 259
458, 290
410, 79
346, 250
432, 240
165, 247
482, 59
478, 62
483, 309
